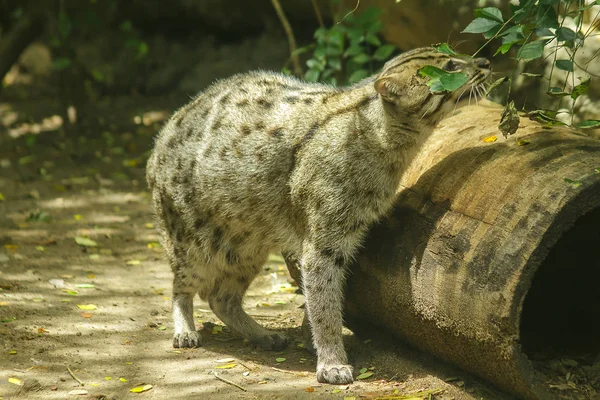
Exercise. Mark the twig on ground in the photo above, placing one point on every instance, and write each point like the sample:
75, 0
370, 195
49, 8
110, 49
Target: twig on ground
227, 381
283, 370
290, 36
74, 377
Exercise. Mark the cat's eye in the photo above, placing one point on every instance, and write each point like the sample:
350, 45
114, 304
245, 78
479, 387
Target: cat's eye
451, 65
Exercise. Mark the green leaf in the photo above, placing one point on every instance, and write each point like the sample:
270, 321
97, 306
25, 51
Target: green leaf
82, 241
335, 63
64, 25
318, 65
580, 89
573, 183
496, 83
358, 75
382, 53
489, 13
444, 48
372, 38
353, 50
546, 17
589, 123
361, 58
453, 81
565, 65
504, 48
61, 63
432, 72
280, 359
529, 74
531, 50
564, 34
481, 25
364, 375
556, 92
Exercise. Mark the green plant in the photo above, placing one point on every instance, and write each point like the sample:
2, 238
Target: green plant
348, 51
534, 26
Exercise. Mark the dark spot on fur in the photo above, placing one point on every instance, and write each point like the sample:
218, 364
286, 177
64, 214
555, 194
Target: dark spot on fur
291, 99
242, 103
217, 124
308, 100
180, 119
189, 133
242, 279
209, 149
231, 257
225, 99
264, 103
245, 129
275, 132
223, 152
199, 223
217, 239
205, 113
269, 90
260, 125
173, 142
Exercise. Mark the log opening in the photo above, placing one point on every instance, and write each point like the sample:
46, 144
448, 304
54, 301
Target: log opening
561, 311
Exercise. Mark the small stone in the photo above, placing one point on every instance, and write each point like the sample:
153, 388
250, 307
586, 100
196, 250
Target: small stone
154, 313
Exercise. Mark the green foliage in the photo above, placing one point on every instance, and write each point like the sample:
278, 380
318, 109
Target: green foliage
532, 27
443, 81
347, 51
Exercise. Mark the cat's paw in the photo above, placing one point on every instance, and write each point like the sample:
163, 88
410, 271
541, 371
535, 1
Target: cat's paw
339, 374
187, 339
272, 341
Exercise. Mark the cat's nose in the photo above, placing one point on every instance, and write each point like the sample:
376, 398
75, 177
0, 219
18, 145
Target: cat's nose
482, 62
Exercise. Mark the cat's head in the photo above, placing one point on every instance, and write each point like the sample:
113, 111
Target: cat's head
405, 90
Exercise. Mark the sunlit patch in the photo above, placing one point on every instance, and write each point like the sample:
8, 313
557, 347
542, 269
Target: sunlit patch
150, 117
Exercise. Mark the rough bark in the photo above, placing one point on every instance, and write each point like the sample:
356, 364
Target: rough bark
449, 269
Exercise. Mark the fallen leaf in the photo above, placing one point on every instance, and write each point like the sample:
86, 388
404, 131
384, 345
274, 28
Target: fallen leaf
14, 381
11, 247
42, 330
39, 248
123, 380
336, 391
85, 286
364, 375
12, 352
309, 389
82, 241
87, 307
149, 225
1, 197
362, 370
226, 366
522, 142
490, 139
78, 217
226, 360
80, 392
280, 359
133, 262
94, 256
86, 315
108, 378
140, 389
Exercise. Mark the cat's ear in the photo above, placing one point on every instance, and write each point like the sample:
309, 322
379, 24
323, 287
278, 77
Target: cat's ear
387, 88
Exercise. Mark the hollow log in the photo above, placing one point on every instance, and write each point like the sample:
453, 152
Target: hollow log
489, 257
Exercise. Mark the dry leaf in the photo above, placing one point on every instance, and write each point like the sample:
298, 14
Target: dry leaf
14, 381
87, 307
226, 366
78, 392
140, 389
490, 139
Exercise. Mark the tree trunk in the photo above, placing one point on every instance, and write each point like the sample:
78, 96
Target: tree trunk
19, 37
490, 255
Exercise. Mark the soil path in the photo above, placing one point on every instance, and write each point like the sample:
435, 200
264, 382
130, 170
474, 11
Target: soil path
85, 292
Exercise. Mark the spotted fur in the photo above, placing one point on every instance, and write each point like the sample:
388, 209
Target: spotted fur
263, 162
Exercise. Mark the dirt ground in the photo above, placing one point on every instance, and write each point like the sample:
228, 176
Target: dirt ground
85, 291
